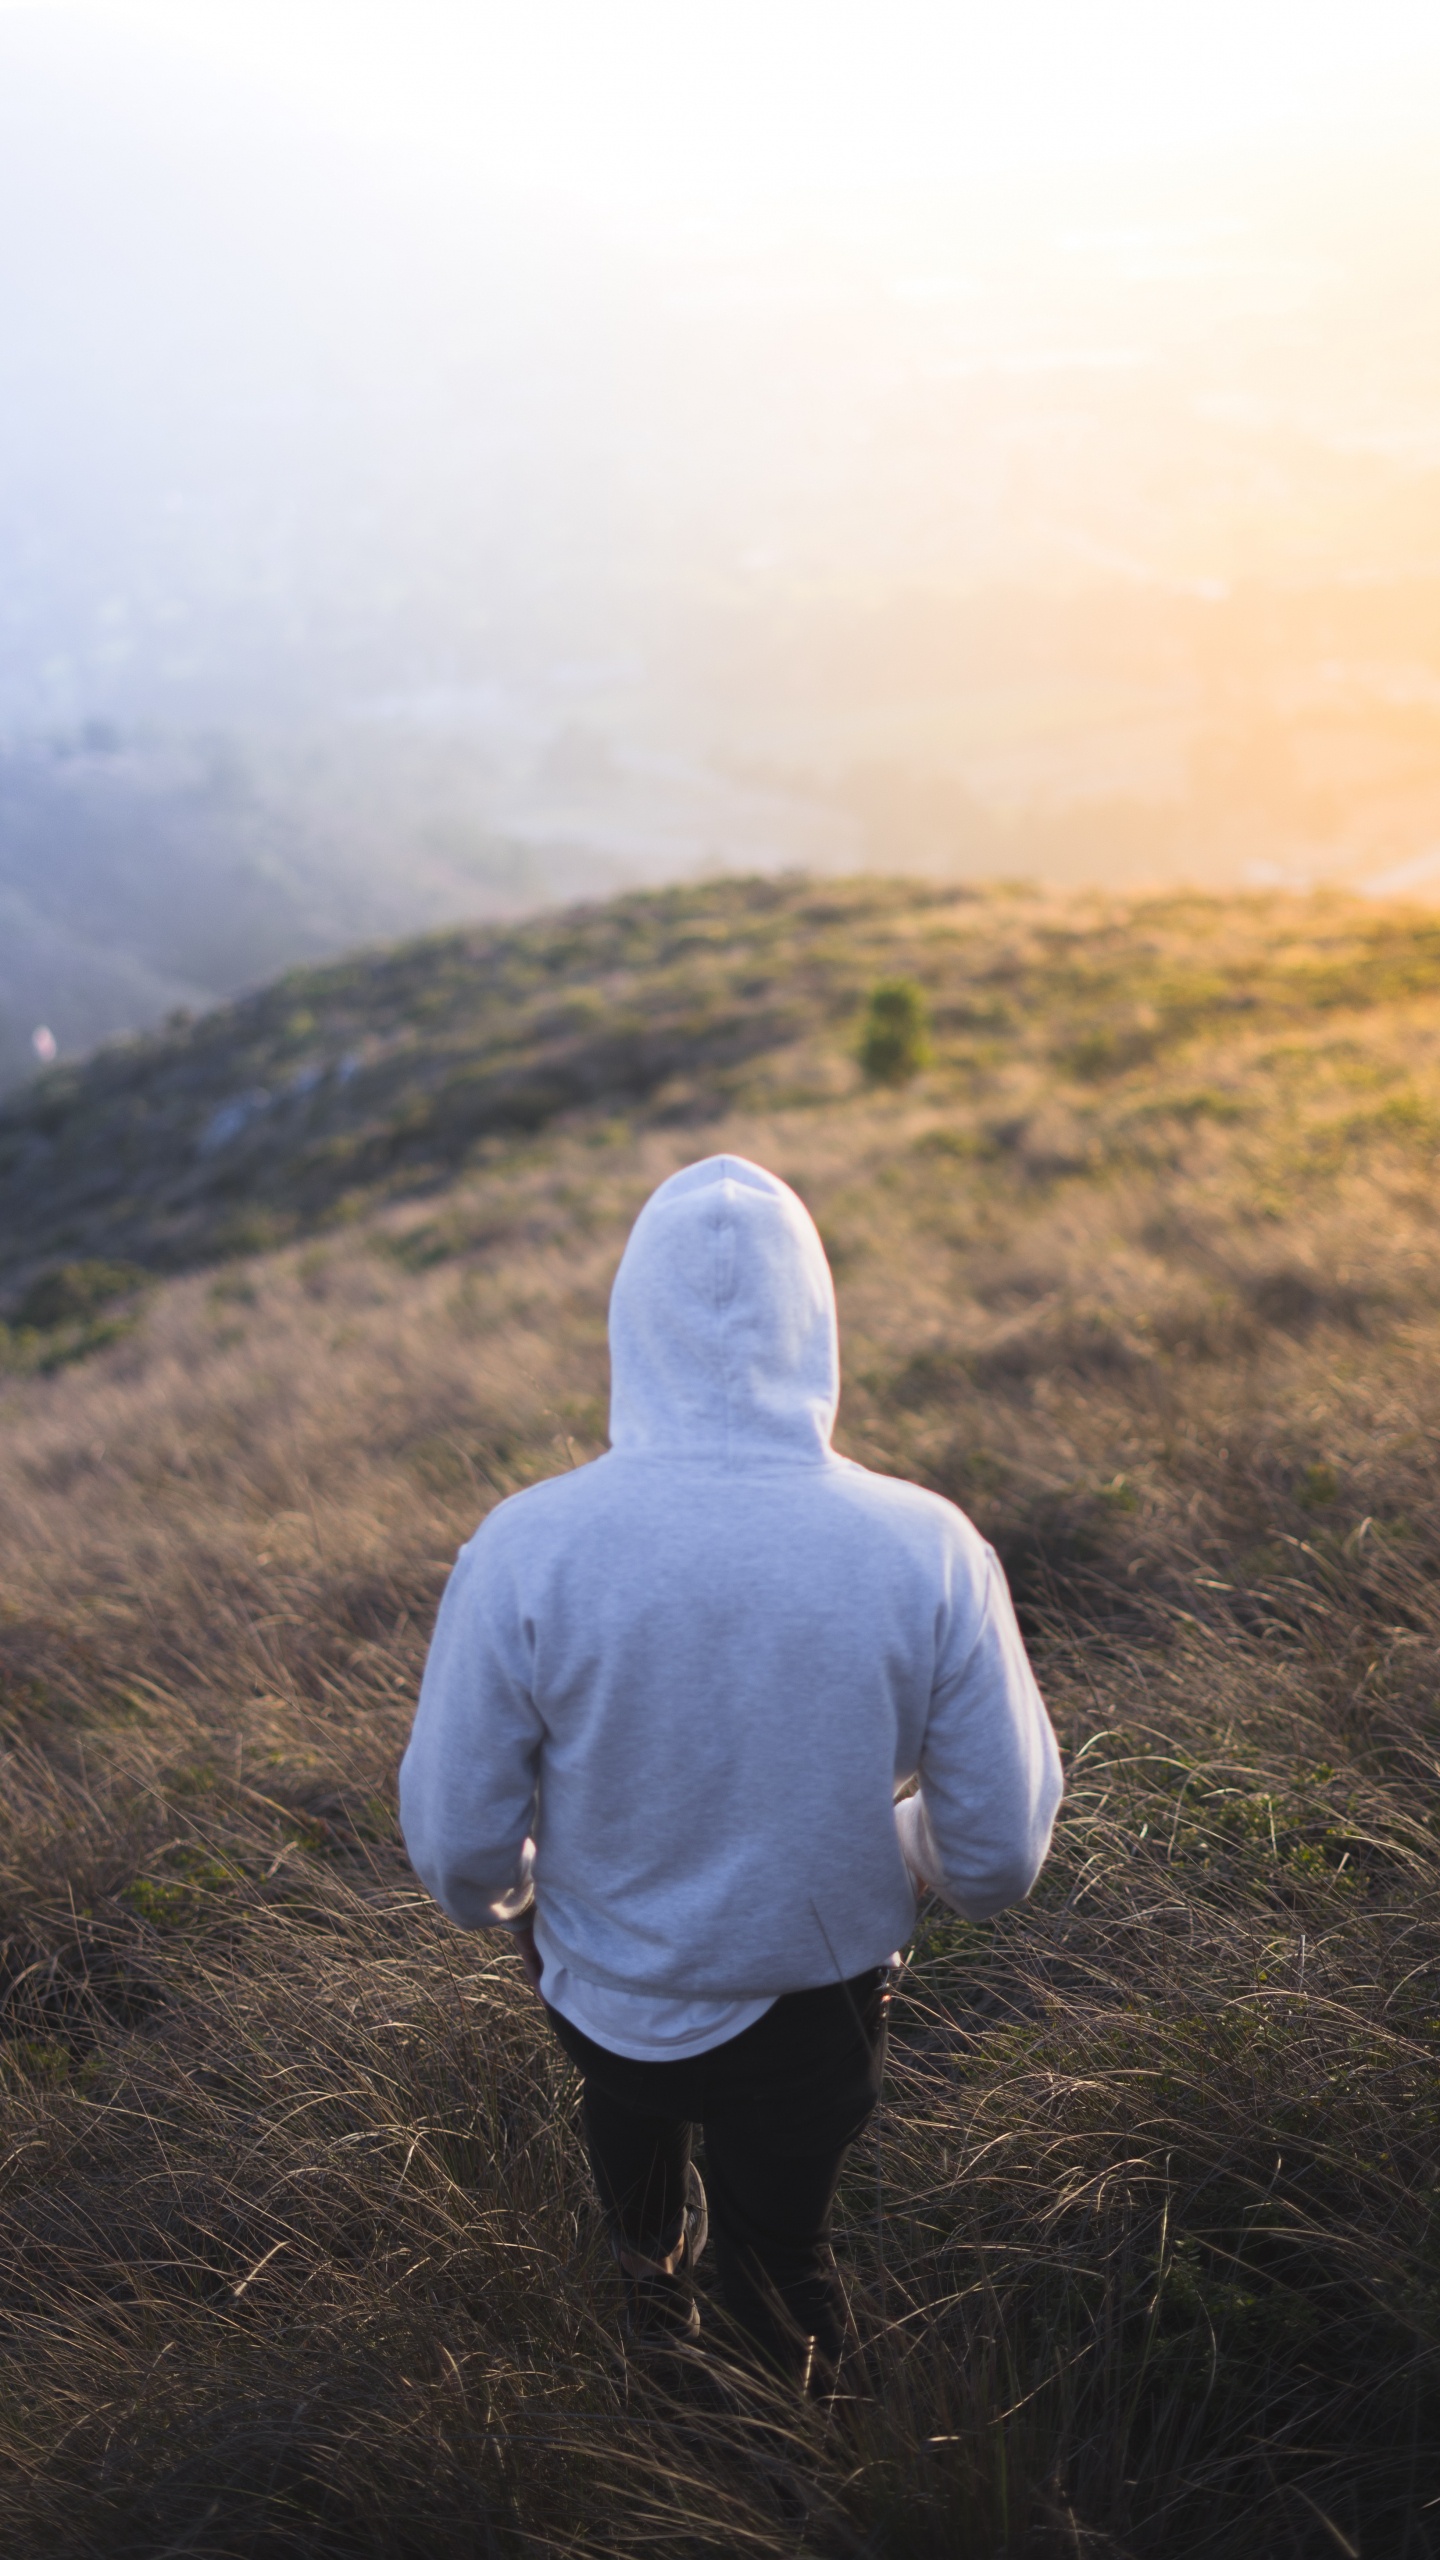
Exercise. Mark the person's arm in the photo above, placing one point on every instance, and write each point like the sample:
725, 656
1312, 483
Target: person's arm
978, 1829
469, 1776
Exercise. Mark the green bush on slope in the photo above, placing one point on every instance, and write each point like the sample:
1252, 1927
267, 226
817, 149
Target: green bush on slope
894, 1037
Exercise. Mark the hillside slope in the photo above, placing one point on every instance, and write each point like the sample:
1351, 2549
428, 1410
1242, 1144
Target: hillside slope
385, 1075
1143, 1270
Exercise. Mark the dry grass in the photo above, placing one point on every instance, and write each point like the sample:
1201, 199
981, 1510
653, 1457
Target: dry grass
298, 2253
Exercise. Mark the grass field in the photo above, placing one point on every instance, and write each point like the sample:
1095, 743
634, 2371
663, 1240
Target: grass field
1144, 1270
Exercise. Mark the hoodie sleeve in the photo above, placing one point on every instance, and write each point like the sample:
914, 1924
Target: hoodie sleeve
990, 1784
468, 1778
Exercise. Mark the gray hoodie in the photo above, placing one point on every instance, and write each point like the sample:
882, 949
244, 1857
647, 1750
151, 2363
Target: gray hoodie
697, 1669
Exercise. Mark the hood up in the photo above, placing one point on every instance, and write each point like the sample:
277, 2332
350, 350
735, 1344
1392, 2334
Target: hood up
723, 1339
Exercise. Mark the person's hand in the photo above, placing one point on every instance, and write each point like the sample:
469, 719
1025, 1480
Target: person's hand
531, 1964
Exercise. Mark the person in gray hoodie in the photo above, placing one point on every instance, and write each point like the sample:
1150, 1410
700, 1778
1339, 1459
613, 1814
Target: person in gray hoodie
669, 1703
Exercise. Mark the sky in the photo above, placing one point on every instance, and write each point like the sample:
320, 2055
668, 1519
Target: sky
721, 108
630, 367
293, 292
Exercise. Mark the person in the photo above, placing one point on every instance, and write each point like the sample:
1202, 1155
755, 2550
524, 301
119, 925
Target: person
669, 1702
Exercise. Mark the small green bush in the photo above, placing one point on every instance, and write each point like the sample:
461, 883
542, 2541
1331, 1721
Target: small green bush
894, 1037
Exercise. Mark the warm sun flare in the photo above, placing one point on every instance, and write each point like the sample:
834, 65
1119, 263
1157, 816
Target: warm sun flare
836, 98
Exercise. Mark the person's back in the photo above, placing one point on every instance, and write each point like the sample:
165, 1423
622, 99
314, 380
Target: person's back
696, 1671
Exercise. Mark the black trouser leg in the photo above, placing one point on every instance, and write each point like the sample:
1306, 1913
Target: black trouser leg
638, 2163
780, 2105
770, 2224
769, 2221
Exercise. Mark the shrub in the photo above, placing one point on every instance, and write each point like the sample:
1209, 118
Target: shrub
894, 1037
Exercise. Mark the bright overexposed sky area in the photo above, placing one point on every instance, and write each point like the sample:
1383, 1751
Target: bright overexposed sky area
331, 316
279, 264
721, 102
549, 421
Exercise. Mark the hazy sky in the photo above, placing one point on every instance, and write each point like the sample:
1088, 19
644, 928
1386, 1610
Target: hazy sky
474, 411
720, 101
328, 327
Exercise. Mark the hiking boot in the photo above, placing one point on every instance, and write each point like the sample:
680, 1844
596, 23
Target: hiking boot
660, 2309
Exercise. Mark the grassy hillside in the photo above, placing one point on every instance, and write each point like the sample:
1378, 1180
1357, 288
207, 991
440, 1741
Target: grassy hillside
1142, 1269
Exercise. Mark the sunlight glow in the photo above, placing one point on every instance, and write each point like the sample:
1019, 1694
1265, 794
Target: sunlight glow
629, 435
721, 100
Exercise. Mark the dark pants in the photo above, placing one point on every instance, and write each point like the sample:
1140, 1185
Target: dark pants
778, 2106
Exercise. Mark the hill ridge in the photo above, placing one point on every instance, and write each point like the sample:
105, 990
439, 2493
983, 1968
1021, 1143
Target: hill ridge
337, 1087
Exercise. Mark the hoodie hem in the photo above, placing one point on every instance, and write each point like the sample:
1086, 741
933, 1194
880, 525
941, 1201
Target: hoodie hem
877, 1948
